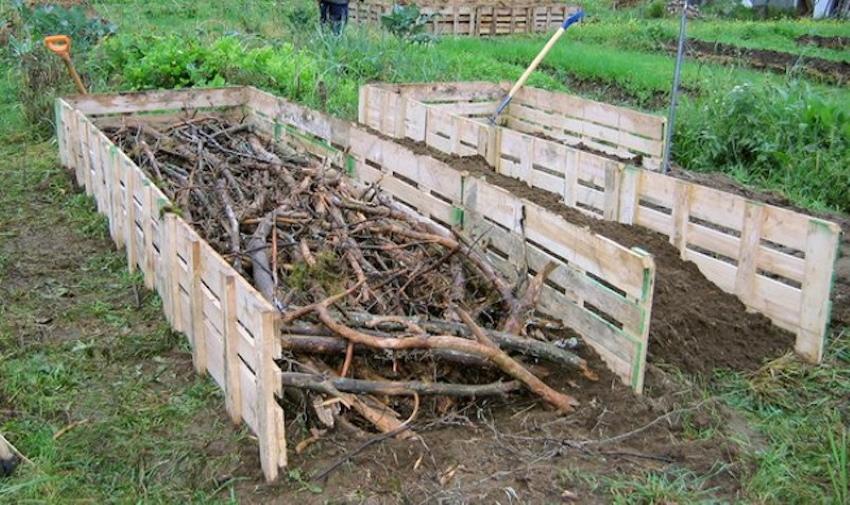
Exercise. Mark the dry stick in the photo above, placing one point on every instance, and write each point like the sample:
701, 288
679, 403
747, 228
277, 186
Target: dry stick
321, 384
15, 450
152, 159
322, 344
536, 348
235, 238
515, 322
384, 420
346, 364
564, 403
347, 456
257, 244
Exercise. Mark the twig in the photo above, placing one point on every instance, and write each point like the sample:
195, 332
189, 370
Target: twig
374, 440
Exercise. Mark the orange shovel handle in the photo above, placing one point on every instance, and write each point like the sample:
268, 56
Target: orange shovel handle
59, 44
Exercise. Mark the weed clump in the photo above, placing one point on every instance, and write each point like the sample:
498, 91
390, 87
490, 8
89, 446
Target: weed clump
781, 136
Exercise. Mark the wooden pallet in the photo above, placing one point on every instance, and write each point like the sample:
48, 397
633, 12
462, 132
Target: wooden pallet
777, 261
475, 18
601, 289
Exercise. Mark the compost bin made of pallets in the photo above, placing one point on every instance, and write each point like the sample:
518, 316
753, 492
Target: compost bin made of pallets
481, 17
599, 288
777, 261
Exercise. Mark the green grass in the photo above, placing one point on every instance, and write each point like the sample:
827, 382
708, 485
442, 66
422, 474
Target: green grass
79, 352
801, 411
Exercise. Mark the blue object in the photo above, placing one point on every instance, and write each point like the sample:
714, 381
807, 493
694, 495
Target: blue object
575, 18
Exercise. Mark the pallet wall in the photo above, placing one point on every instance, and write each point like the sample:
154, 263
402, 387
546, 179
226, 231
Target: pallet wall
473, 18
230, 326
599, 288
777, 261
616, 132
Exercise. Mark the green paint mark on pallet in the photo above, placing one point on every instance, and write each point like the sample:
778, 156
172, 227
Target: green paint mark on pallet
457, 216
350, 166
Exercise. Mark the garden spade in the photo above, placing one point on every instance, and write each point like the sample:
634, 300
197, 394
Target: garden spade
61, 45
531, 68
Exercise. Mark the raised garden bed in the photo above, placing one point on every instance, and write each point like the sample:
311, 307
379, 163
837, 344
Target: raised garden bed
481, 17
778, 262
598, 288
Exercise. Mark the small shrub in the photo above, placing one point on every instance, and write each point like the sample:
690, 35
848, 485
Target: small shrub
408, 22
656, 9
42, 74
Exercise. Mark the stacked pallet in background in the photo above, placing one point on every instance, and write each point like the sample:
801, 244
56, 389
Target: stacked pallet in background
599, 288
777, 261
479, 17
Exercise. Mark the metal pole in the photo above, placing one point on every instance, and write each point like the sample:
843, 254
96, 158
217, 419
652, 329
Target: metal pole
677, 77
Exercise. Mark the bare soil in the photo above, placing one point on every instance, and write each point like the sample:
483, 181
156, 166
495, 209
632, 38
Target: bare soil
826, 42
830, 71
487, 452
613, 93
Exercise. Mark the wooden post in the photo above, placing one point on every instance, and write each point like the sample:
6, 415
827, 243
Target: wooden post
681, 216
199, 334
86, 151
233, 388
172, 300
613, 173
76, 135
748, 251
571, 161
639, 362
456, 14
268, 381
363, 104
629, 190
401, 117
117, 198
821, 251
130, 219
107, 162
147, 230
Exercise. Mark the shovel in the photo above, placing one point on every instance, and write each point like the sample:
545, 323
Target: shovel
531, 68
61, 45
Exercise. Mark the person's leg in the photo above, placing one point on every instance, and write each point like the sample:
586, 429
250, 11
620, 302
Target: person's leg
325, 11
339, 17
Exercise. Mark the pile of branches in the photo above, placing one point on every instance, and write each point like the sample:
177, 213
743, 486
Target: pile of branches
375, 301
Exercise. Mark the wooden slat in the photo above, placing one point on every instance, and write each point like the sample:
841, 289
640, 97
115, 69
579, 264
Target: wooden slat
149, 101
232, 363
748, 252
821, 251
593, 253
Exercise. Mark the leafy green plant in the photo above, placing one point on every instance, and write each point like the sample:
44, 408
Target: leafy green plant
408, 22
783, 136
42, 74
40, 21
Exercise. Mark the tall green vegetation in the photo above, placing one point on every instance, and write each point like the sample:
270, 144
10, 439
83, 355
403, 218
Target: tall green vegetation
41, 72
786, 137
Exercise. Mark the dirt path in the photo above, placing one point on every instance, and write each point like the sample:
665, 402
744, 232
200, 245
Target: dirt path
829, 71
827, 42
